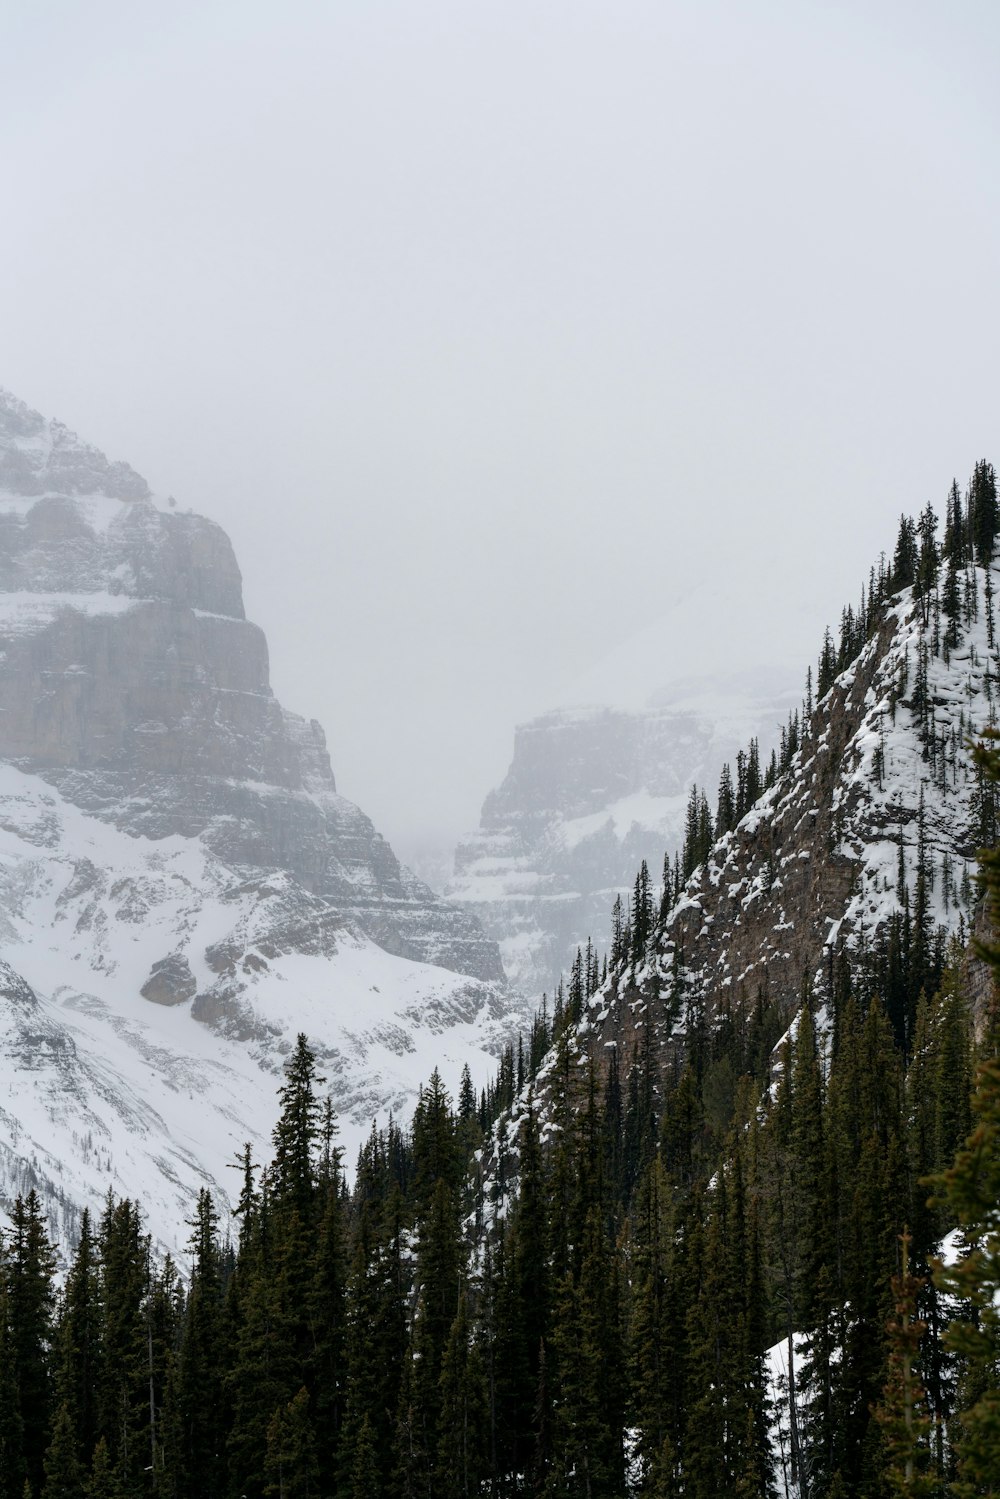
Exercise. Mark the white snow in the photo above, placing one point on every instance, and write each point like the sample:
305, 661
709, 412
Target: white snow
104, 1089
22, 610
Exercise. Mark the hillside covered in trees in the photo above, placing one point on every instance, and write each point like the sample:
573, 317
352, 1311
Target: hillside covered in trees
726, 1222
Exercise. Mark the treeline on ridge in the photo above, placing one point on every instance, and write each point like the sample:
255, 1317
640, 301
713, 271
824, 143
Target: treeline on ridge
574, 1283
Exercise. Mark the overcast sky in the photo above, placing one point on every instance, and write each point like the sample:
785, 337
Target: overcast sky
488, 329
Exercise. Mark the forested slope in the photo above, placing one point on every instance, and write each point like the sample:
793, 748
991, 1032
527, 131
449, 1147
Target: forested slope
700, 1168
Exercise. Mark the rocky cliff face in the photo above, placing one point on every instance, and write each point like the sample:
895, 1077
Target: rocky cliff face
590, 793
881, 811
182, 888
883, 786
131, 680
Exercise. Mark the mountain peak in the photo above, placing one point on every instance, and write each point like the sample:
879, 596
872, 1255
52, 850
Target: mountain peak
40, 457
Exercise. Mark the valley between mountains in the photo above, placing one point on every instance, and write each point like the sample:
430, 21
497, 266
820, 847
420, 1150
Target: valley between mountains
717, 1214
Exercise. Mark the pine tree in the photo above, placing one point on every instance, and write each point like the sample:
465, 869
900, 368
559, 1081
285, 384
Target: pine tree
523, 1310
904, 562
642, 913
755, 784
588, 1407
376, 1330
78, 1345
903, 1414
462, 1419
123, 1391
11, 1427
327, 1322
365, 1482
655, 1343
927, 561
104, 1481
826, 670
971, 1191
293, 1176
725, 816
64, 1476
617, 954
983, 513
261, 1367
198, 1404
30, 1296
290, 1465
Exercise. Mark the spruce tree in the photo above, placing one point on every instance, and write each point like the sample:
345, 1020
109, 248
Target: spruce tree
291, 1466
971, 1190
123, 1388
654, 1355
461, 1447
78, 1344
328, 1332
903, 1414
64, 1474
104, 1481
29, 1270
198, 1405
12, 1477
523, 1310
365, 1482
293, 1175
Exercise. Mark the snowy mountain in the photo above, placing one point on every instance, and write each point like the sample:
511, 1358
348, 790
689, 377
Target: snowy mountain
182, 889
590, 793
877, 818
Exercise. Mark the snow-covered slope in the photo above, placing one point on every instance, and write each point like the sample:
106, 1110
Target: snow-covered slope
883, 786
154, 1094
878, 816
590, 793
182, 888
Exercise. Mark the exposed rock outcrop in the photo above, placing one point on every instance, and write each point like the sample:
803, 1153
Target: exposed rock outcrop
182, 888
131, 680
590, 793
882, 787
170, 981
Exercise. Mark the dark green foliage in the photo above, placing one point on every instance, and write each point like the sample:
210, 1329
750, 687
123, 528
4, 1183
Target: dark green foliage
604, 1241
196, 1441
904, 1415
123, 1384
364, 1481
104, 1481
970, 1192
725, 814
462, 1448
633, 1282
904, 561
78, 1345
64, 1473
642, 912
699, 833
983, 513
826, 670
29, 1298
291, 1466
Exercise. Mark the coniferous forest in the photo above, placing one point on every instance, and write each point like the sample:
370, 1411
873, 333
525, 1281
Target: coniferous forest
579, 1282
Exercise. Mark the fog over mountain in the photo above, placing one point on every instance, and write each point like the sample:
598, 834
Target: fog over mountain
485, 332
182, 888
557, 373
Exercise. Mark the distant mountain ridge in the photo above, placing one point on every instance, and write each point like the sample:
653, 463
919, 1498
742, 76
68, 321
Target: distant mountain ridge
590, 793
858, 863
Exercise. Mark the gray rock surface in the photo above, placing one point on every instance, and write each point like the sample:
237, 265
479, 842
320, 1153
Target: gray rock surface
170, 982
131, 679
590, 793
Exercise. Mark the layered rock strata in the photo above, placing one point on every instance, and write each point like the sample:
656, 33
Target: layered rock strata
590, 793
131, 679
